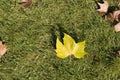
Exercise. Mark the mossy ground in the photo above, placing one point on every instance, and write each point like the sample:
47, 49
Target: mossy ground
30, 35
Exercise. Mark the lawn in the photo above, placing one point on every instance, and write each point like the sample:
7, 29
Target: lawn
30, 36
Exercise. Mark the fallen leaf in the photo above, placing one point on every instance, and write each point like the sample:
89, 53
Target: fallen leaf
103, 7
25, 3
118, 53
110, 17
113, 16
116, 15
117, 27
2, 49
70, 47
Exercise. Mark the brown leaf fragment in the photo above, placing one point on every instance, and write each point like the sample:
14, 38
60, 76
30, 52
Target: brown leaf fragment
103, 8
25, 3
110, 17
113, 16
2, 49
118, 53
117, 27
116, 15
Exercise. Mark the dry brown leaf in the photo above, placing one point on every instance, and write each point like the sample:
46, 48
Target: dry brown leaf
25, 3
103, 7
116, 15
110, 17
117, 27
113, 16
2, 49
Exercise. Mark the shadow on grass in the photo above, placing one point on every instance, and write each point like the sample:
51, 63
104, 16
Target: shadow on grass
58, 31
114, 51
108, 58
3, 42
112, 8
112, 54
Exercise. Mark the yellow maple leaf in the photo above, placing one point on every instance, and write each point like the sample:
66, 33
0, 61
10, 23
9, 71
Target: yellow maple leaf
70, 47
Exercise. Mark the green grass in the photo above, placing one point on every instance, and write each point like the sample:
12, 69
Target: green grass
30, 35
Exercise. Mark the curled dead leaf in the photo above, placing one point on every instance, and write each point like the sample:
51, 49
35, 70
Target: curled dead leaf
113, 16
2, 49
103, 8
117, 27
116, 15
25, 3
